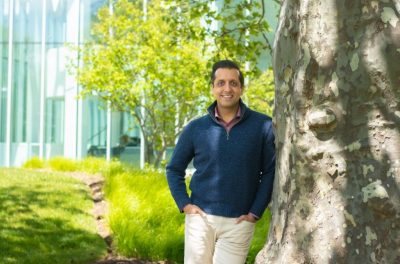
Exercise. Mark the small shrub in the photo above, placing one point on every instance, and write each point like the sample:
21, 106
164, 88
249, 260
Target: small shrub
114, 168
34, 163
93, 165
143, 217
63, 164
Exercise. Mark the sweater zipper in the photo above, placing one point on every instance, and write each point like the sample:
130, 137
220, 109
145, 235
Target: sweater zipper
227, 133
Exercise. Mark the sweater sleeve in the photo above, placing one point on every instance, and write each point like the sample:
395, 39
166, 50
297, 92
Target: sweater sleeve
264, 192
176, 168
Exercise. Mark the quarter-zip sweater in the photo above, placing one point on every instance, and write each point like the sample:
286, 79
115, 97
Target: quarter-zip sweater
234, 171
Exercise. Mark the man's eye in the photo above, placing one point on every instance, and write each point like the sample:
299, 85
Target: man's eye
234, 84
220, 83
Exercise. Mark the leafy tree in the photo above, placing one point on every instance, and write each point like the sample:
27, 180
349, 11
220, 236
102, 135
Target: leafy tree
146, 68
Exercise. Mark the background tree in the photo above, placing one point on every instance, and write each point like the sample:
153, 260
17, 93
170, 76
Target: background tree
160, 66
232, 29
260, 93
138, 64
336, 197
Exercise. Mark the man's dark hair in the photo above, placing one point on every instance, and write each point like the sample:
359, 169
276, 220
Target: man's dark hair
226, 64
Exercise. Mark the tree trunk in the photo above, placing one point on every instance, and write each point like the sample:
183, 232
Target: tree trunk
337, 115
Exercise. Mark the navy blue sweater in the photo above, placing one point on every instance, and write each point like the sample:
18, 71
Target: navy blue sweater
234, 172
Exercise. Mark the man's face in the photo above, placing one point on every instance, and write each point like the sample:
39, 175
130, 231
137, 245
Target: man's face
226, 88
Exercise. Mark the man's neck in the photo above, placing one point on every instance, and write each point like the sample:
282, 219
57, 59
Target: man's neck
227, 113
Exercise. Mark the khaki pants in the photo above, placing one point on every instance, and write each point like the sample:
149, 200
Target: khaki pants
216, 240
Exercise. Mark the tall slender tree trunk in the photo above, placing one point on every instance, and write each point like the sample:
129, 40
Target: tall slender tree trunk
337, 115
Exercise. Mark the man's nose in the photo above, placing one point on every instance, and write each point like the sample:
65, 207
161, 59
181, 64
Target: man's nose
227, 87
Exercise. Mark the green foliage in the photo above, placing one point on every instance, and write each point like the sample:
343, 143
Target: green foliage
235, 29
90, 165
34, 163
143, 218
45, 218
55, 163
260, 236
63, 164
93, 165
113, 168
145, 221
261, 93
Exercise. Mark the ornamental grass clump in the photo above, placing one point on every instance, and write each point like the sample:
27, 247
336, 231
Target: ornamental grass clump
34, 163
93, 165
143, 217
63, 164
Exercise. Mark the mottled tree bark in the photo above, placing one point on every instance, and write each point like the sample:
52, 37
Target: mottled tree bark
337, 115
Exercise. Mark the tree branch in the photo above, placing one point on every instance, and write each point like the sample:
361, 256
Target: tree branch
262, 12
267, 41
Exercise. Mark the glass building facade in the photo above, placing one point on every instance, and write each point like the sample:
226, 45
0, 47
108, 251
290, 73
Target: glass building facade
39, 111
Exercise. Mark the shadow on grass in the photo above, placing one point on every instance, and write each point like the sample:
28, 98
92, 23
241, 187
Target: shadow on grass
27, 237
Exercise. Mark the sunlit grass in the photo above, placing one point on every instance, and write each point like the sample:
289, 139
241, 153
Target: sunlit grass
34, 163
90, 165
260, 237
143, 218
45, 218
93, 165
62, 164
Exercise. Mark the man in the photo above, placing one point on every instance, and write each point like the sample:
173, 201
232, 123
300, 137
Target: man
233, 152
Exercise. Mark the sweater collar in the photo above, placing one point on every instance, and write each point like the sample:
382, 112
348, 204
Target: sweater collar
238, 113
244, 110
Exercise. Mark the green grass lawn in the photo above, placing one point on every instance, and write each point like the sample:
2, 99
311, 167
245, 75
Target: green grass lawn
45, 218
143, 217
